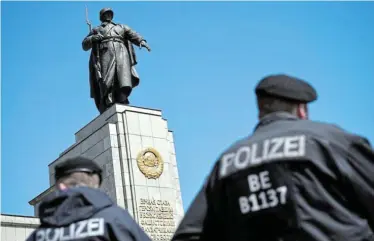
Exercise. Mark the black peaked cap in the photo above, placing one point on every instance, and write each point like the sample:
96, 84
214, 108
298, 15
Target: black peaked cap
286, 87
77, 164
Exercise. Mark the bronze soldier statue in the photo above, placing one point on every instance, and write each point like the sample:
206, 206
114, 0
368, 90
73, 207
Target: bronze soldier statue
112, 61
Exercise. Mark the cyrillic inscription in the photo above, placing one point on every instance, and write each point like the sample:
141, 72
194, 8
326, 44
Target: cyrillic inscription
157, 219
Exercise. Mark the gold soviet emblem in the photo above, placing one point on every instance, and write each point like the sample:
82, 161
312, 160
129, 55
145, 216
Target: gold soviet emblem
150, 163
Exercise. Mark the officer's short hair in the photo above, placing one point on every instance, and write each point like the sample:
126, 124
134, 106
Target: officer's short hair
80, 179
270, 104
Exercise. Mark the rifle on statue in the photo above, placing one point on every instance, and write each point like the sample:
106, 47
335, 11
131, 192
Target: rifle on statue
96, 56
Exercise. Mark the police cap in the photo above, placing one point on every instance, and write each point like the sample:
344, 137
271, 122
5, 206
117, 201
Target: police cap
286, 87
77, 164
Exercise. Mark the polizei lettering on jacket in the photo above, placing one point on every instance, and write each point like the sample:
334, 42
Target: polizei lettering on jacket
258, 152
83, 229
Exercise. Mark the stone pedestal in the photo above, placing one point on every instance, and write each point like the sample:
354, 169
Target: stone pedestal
136, 151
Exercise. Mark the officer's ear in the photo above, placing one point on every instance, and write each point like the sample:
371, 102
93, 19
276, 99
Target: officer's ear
302, 111
61, 186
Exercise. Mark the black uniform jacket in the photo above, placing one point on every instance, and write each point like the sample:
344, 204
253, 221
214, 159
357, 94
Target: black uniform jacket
84, 214
291, 180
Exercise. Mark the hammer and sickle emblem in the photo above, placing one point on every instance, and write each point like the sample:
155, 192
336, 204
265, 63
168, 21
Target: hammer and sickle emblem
150, 163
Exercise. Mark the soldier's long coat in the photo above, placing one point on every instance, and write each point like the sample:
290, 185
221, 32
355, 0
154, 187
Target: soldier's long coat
116, 56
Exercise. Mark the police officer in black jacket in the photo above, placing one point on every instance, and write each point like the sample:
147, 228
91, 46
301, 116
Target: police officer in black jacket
293, 179
78, 210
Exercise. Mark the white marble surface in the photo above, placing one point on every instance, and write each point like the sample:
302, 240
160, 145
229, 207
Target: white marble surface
17, 228
114, 140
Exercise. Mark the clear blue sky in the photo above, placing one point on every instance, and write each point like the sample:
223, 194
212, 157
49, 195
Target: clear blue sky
206, 59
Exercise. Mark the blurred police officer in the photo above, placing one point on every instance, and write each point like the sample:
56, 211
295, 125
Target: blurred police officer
292, 179
78, 210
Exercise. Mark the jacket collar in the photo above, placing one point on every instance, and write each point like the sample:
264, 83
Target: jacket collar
270, 118
103, 24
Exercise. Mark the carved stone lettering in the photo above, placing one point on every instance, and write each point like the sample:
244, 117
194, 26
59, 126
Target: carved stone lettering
157, 219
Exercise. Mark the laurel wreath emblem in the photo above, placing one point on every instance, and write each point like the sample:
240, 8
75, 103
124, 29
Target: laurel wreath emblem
150, 163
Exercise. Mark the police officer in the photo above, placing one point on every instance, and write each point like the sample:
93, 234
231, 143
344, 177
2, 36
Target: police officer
78, 210
292, 179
